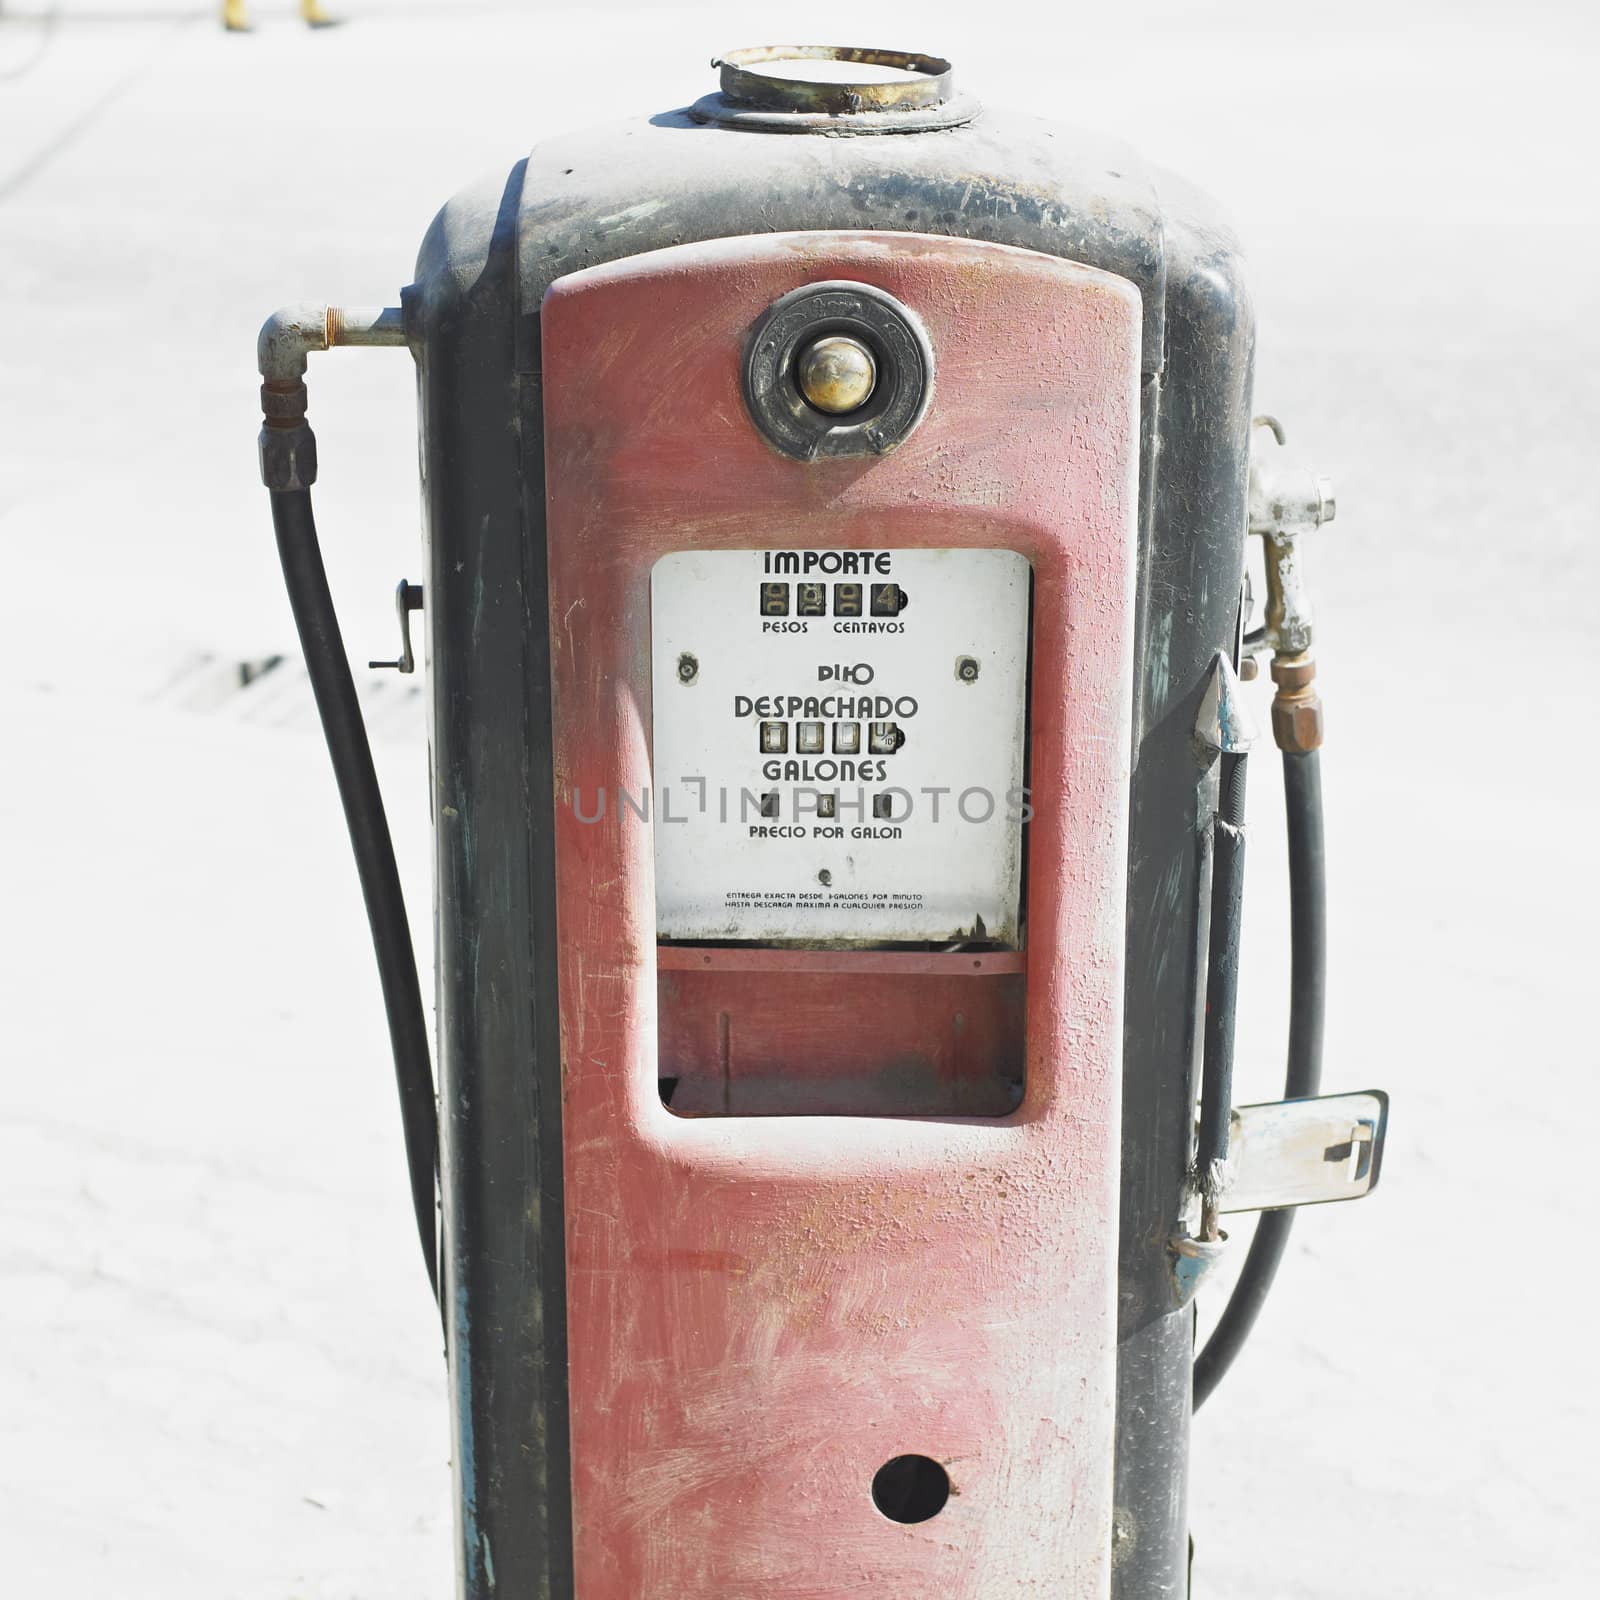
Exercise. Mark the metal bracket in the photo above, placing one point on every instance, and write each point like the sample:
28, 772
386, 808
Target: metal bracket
1306, 1152
1192, 1262
407, 598
1223, 724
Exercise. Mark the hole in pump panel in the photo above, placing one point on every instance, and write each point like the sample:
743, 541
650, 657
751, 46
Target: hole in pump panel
911, 1489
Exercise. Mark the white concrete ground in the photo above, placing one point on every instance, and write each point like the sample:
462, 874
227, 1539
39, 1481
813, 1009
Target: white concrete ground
220, 1373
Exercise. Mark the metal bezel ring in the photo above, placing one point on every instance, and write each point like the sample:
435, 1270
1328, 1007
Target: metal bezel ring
928, 82
899, 347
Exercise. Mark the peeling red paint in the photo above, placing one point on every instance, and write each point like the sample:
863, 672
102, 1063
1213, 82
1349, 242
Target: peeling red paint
765, 1310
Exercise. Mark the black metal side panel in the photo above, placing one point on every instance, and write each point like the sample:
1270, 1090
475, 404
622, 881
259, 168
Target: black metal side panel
639, 186
499, 1052
1190, 573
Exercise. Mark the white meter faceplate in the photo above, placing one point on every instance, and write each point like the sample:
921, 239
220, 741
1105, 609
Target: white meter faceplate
838, 745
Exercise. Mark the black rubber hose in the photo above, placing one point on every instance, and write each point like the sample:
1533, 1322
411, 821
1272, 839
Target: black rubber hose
346, 734
1308, 973
1308, 922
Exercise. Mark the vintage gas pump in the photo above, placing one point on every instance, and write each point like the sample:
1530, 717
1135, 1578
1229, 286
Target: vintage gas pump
837, 498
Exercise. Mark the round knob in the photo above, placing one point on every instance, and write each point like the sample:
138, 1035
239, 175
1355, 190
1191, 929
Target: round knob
837, 374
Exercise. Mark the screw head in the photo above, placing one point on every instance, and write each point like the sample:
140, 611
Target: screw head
688, 668
966, 669
837, 374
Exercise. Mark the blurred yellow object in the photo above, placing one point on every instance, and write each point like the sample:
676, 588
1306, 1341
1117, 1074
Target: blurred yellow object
236, 15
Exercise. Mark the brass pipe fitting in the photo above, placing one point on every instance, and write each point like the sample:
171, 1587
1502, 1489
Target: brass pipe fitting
1288, 501
1296, 707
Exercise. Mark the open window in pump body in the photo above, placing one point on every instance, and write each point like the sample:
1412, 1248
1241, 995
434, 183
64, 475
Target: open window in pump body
834, 621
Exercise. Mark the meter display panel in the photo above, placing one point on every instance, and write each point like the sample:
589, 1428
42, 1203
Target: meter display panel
838, 745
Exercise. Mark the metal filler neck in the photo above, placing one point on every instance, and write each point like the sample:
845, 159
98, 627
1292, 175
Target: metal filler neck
833, 89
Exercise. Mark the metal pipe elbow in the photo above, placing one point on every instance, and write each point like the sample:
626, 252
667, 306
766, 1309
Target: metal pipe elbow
292, 332
287, 337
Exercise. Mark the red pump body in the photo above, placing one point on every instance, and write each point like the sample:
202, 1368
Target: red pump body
764, 1310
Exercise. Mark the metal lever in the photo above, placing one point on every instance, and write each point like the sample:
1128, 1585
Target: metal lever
407, 598
1306, 1152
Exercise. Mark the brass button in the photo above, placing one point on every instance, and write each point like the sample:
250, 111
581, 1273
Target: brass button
837, 374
